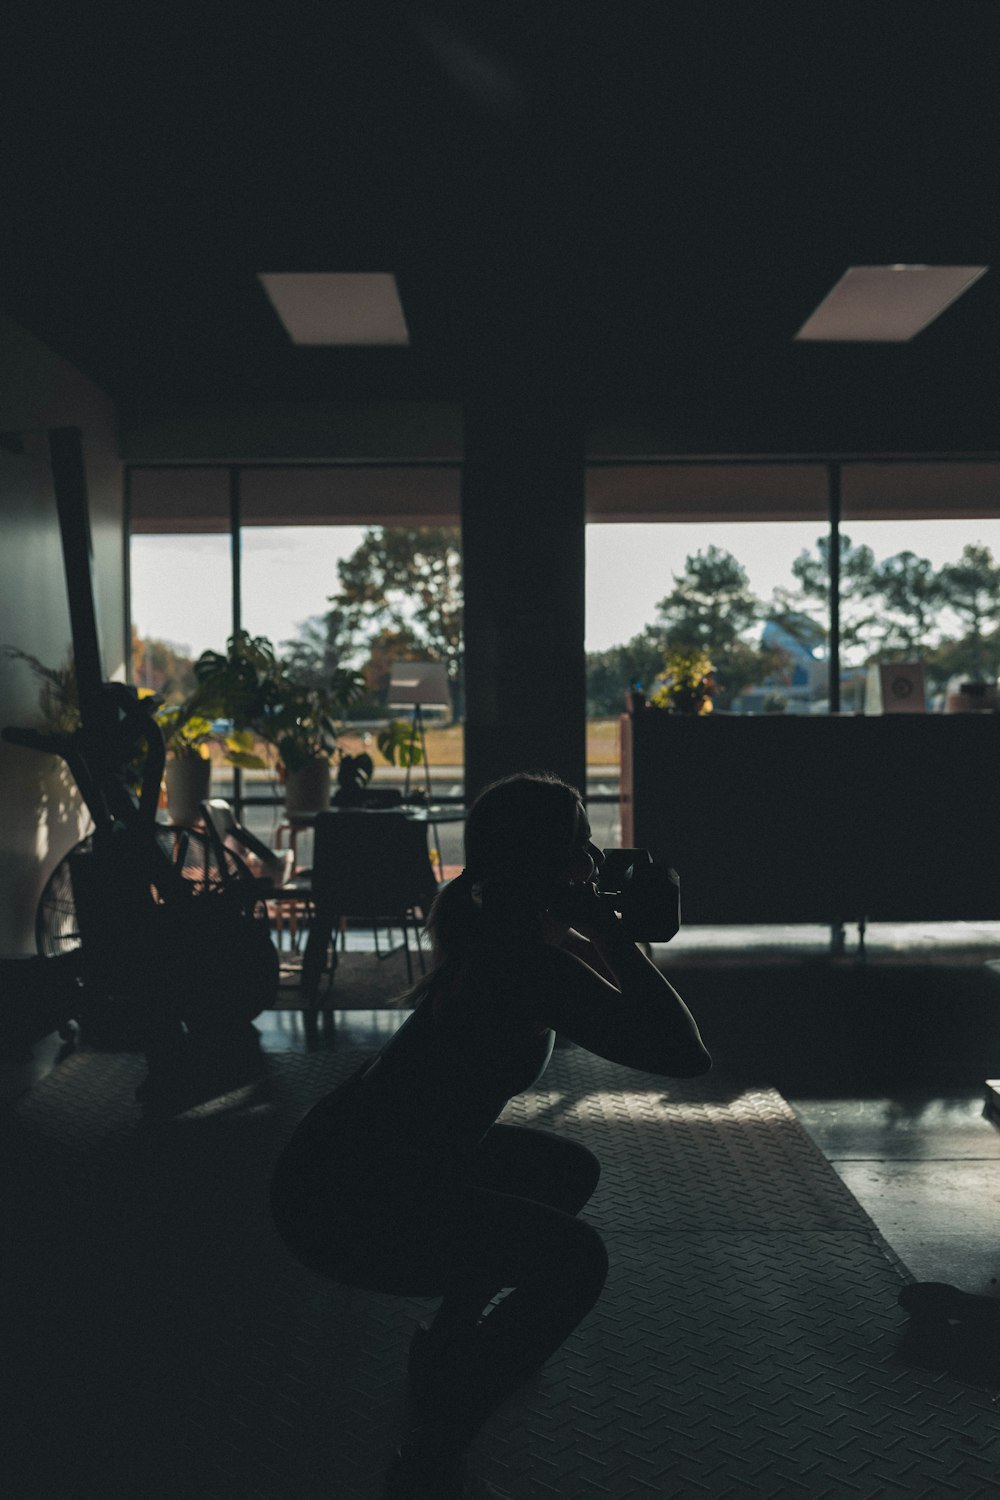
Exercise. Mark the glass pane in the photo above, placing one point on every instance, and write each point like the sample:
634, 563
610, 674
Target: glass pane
181, 594
925, 592
723, 585
319, 594
181, 605
727, 590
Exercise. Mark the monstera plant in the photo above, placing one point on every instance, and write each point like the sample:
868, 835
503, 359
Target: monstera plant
259, 697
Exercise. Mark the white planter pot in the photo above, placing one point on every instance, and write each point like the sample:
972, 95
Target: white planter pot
188, 784
308, 790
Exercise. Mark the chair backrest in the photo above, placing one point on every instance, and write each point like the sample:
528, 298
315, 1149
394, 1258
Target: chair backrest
363, 797
372, 864
226, 831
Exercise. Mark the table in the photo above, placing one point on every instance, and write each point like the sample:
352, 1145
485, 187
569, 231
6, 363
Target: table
435, 812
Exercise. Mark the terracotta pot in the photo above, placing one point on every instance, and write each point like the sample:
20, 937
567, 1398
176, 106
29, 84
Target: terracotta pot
308, 789
188, 784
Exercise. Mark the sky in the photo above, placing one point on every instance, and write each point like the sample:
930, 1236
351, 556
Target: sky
180, 585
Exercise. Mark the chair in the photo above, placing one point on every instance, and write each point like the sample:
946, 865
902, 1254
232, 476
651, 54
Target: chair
287, 895
368, 797
371, 867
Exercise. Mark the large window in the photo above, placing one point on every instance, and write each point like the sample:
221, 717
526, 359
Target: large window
180, 572
751, 596
923, 591
325, 595
729, 588
181, 587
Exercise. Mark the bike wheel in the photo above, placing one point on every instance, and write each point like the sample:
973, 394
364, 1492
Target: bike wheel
57, 930
222, 936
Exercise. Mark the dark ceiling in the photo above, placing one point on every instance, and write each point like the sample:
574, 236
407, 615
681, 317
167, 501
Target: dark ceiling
641, 202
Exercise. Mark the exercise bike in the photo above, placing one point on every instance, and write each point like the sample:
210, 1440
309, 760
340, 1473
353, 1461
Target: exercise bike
166, 932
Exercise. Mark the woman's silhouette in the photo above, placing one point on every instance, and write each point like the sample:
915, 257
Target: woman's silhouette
400, 1181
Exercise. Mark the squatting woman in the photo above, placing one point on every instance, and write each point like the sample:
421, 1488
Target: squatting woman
402, 1182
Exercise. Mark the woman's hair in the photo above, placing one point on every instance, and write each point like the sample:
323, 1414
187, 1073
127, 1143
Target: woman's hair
519, 835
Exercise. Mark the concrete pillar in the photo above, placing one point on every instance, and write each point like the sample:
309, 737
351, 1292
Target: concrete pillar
523, 547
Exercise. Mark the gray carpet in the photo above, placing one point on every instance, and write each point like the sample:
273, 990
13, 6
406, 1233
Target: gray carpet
161, 1343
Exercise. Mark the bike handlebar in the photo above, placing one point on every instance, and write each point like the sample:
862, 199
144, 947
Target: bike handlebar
34, 739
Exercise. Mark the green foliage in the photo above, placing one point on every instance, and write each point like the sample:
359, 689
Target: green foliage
187, 734
59, 706
353, 774
686, 684
611, 673
710, 605
58, 698
239, 750
315, 654
409, 579
257, 693
399, 599
903, 609
810, 602
909, 594
298, 722
900, 608
161, 667
711, 611
398, 740
235, 684
971, 588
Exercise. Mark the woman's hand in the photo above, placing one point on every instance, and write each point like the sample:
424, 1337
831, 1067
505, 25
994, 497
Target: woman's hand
581, 908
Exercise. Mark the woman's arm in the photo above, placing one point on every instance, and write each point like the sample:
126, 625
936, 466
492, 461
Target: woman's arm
643, 1023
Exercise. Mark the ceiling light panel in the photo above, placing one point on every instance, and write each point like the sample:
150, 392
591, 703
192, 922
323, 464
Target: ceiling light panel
334, 307
886, 304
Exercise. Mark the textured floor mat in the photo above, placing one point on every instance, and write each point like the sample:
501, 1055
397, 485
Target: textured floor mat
160, 1342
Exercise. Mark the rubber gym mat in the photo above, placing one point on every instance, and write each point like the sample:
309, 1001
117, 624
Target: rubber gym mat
161, 1342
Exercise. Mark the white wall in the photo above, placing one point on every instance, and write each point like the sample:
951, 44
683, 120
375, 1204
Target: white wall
41, 817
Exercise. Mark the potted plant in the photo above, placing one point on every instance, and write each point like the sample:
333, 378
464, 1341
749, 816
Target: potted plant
250, 688
187, 735
354, 772
298, 722
686, 684
234, 686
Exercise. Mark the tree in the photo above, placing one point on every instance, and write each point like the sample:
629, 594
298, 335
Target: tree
711, 609
909, 593
611, 673
404, 585
812, 597
162, 667
971, 590
322, 645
